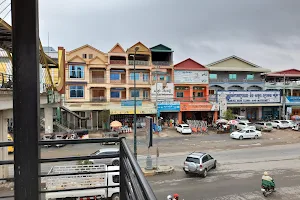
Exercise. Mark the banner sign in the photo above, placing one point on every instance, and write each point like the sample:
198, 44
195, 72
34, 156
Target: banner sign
183, 76
163, 93
246, 97
131, 102
293, 100
168, 106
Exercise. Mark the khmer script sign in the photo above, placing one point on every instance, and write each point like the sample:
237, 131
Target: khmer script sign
165, 93
248, 97
184, 76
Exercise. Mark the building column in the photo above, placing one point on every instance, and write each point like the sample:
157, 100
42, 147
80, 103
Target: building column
215, 116
191, 93
89, 122
127, 93
108, 75
127, 76
291, 92
48, 119
3, 150
180, 117
259, 112
108, 94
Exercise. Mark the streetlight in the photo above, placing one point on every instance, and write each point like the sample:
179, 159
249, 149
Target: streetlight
134, 117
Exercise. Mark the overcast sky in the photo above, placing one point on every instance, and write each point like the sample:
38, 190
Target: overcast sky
265, 32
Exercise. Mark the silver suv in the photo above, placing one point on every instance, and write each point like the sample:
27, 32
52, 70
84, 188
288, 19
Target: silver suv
107, 161
199, 163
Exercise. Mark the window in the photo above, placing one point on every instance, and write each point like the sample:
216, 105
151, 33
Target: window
114, 76
145, 94
232, 76
211, 91
76, 91
116, 178
135, 93
213, 76
90, 56
199, 94
204, 159
161, 78
209, 157
250, 77
168, 78
193, 160
76, 71
137, 76
179, 94
154, 78
84, 55
115, 94
145, 77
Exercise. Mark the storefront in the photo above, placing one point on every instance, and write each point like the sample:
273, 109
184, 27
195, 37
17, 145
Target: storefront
293, 105
254, 105
198, 111
168, 111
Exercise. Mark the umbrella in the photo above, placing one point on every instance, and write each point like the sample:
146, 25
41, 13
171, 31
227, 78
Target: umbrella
221, 121
295, 117
233, 122
115, 124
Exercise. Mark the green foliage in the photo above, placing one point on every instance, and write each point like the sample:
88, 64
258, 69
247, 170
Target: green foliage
228, 115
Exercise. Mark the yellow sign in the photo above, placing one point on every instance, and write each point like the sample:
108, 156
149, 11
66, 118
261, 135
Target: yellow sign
131, 111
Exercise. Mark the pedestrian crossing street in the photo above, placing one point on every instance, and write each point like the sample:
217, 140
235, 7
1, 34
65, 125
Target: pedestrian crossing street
284, 193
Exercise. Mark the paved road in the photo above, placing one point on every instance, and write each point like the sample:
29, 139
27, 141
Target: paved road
238, 175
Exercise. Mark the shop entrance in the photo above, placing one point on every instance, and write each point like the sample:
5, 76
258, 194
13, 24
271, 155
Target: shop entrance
252, 113
198, 115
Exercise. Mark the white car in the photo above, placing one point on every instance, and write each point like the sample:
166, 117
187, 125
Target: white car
291, 123
243, 125
184, 128
280, 124
246, 133
241, 119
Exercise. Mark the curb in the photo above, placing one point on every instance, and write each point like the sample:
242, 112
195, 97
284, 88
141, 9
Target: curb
167, 170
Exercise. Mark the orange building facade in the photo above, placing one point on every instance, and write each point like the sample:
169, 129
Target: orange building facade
191, 88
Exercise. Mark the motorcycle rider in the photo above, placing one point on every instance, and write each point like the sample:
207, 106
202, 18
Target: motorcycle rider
176, 196
267, 181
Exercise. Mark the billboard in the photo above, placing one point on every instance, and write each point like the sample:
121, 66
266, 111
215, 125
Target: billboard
185, 77
163, 93
250, 97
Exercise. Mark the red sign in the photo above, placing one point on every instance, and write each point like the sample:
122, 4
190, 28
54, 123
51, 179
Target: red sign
195, 106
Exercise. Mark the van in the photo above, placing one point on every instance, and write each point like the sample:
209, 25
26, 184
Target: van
10, 149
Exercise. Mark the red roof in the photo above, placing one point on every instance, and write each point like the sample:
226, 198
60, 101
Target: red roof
287, 73
189, 64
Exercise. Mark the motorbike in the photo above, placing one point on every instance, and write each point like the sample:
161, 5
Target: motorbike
267, 190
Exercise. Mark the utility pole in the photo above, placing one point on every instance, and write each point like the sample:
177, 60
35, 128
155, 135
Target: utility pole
283, 98
156, 97
134, 117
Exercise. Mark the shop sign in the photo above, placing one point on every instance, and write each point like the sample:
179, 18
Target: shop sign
293, 99
131, 111
131, 103
168, 106
163, 93
240, 97
184, 76
186, 106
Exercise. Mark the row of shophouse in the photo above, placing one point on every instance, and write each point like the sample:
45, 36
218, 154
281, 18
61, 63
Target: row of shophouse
98, 83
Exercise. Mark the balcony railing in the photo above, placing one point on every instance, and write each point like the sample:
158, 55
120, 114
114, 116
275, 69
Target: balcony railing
281, 85
190, 99
118, 62
6, 81
140, 82
98, 80
99, 99
139, 62
162, 63
226, 80
118, 81
63, 181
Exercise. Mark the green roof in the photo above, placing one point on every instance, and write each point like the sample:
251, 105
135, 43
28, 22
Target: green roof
161, 48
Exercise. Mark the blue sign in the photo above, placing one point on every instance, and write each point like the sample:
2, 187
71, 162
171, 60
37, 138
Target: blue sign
131, 103
172, 106
292, 100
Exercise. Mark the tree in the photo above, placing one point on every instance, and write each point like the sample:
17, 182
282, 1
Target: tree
228, 115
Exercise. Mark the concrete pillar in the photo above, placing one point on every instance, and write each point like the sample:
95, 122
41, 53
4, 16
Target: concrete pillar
215, 116
127, 76
191, 93
127, 93
179, 117
89, 122
259, 112
108, 94
108, 75
207, 93
3, 150
48, 120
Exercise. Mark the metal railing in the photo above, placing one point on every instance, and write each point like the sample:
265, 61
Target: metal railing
6, 81
162, 63
98, 79
118, 81
99, 99
132, 183
191, 99
118, 62
139, 62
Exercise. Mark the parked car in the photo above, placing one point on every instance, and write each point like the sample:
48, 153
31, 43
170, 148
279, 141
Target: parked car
242, 125
107, 161
184, 129
291, 123
264, 126
199, 163
245, 133
296, 126
280, 124
241, 119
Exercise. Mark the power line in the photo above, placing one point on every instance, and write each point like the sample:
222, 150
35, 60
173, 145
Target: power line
2, 2
6, 15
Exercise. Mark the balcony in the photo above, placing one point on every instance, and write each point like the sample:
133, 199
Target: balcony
66, 181
139, 62
120, 81
226, 80
118, 62
162, 63
190, 99
281, 85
